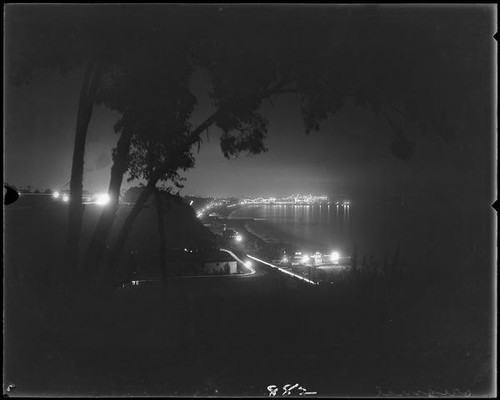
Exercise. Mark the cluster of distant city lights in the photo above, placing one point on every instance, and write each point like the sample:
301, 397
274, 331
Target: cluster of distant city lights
294, 199
317, 258
307, 200
100, 199
212, 204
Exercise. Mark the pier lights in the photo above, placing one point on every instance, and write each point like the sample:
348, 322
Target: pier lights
335, 257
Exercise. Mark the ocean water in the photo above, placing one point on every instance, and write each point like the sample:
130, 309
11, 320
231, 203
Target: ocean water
316, 227
377, 228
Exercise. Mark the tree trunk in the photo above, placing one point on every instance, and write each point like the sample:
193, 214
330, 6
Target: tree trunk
126, 229
108, 215
85, 106
98, 244
161, 231
192, 138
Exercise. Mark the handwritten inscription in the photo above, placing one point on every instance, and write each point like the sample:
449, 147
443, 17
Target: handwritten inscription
288, 390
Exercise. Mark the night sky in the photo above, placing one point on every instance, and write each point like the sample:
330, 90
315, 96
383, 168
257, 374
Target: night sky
390, 107
350, 145
349, 153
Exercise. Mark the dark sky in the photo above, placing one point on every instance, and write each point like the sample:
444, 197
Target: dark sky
351, 150
347, 147
350, 146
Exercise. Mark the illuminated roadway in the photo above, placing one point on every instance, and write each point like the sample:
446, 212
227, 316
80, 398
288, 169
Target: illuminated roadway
284, 271
253, 271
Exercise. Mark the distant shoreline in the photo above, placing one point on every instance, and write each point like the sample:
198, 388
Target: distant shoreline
265, 249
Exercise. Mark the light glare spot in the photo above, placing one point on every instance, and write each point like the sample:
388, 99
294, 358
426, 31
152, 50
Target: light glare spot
102, 199
335, 256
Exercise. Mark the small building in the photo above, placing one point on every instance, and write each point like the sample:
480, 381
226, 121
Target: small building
220, 267
219, 262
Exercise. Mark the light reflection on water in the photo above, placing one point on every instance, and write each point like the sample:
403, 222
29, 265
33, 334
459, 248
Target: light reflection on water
315, 227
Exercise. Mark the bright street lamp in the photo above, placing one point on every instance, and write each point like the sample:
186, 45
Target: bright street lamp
102, 199
335, 256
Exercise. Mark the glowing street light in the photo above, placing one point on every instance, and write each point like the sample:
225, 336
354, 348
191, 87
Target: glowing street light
102, 199
65, 198
56, 195
335, 256
238, 238
305, 258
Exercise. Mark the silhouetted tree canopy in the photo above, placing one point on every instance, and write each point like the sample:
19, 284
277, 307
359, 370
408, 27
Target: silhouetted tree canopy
421, 70
151, 92
383, 59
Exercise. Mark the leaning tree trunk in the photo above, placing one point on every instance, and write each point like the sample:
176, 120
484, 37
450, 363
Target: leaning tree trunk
161, 230
126, 229
192, 138
85, 107
98, 244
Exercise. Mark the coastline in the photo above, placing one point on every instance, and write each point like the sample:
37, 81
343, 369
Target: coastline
270, 249
250, 230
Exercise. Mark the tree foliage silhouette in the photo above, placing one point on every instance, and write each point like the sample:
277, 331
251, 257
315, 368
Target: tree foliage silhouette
151, 94
324, 64
139, 62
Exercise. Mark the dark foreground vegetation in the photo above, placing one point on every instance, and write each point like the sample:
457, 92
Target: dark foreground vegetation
238, 338
369, 334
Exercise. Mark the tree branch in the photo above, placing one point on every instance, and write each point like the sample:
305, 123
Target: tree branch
389, 121
194, 136
402, 113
